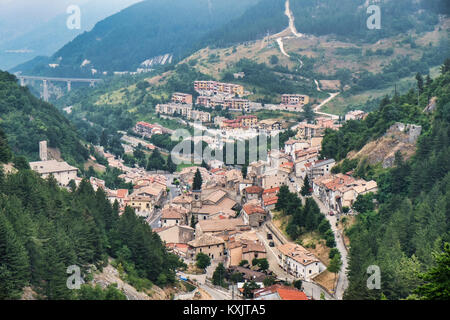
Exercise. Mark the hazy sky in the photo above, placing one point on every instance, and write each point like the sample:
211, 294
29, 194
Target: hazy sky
20, 16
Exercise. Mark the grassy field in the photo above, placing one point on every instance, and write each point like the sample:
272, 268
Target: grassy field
342, 103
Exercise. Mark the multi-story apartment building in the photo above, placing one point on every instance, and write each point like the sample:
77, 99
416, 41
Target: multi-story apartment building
209, 102
219, 87
237, 104
269, 125
183, 98
172, 108
205, 85
248, 121
319, 168
294, 99
199, 116
148, 129
185, 110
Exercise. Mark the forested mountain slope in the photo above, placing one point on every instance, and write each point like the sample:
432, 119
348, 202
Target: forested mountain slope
411, 218
147, 29
346, 19
45, 229
27, 120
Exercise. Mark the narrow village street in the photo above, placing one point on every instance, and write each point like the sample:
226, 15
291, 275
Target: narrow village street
342, 280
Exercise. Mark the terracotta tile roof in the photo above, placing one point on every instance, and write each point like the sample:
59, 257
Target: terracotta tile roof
252, 246
289, 294
205, 240
273, 190
252, 209
220, 224
254, 190
171, 213
216, 196
298, 253
284, 292
288, 165
183, 199
122, 193
270, 200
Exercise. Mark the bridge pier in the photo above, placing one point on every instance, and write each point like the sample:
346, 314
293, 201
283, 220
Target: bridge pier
46, 94
47, 80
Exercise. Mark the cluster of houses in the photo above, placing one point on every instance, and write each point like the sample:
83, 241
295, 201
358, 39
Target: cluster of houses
222, 219
338, 191
148, 192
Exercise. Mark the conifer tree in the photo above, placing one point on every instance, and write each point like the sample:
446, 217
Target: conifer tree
198, 181
171, 167
14, 264
5, 152
305, 191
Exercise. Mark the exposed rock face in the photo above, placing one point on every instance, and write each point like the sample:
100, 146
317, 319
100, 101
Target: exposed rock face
28, 294
399, 137
110, 275
431, 105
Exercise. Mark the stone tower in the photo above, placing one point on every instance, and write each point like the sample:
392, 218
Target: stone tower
197, 198
43, 155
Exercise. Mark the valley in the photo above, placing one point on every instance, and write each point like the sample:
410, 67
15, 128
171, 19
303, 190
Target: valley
241, 150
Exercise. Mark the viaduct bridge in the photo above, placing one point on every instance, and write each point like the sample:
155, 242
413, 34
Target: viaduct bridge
46, 80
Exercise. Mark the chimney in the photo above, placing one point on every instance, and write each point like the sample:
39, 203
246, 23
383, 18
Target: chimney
43, 151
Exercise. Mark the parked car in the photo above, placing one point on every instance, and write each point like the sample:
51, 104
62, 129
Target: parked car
271, 244
331, 213
269, 236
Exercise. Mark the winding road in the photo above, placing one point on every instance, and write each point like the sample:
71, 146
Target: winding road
292, 29
343, 279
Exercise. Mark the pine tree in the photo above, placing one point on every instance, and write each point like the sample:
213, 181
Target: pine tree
335, 265
156, 161
5, 152
428, 80
171, 167
104, 139
14, 263
308, 113
419, 79
282, 195
193, 221
244, 171
437, 279
446, 66
198, 181
218, 277
306, 189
